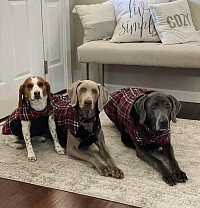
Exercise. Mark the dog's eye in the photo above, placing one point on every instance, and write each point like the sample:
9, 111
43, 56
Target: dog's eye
40, 84
83, 89
94, 91
29, 86
167, 105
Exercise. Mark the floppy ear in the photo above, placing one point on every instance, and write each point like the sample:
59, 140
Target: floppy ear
21, 95
72, 92
176, 106
139, 107
103, 97
48, 91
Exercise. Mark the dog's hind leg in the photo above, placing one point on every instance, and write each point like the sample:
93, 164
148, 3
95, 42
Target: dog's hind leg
41, 139
13, 141
125, 137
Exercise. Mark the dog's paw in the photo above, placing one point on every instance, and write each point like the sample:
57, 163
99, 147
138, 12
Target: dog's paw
104, 170
60, 151
117, 173
169, 179
41, 139
180, 176
31, 158
18, 146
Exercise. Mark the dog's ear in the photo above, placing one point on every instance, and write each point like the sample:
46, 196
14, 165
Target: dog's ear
103, 97
48, 91
72, 92
140, 109
21, 95
176, 106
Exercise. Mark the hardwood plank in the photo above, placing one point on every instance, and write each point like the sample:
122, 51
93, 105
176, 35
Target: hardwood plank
15, 194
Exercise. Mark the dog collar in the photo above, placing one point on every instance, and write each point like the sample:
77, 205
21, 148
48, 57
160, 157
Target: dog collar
87, 120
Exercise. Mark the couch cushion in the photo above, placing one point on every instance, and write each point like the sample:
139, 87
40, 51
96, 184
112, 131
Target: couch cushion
143, 54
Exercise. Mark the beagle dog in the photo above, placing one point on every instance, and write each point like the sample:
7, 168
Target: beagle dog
33, 117
84, 128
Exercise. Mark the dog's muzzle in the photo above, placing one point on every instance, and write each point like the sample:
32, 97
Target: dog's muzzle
88, 104
162, 124
37, 95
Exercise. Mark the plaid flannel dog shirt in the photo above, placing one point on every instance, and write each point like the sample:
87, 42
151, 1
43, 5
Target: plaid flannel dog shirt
25, 113
118, 109
70, 119
64, 115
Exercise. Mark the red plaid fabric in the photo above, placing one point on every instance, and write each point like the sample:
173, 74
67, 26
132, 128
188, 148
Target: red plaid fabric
64, 114
26, 113
118, 109
69, 119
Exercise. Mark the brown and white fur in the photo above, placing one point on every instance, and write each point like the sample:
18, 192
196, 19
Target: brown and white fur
37, 91
86, 95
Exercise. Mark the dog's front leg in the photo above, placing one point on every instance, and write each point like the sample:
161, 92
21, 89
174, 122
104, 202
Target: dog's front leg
179, 175
52, 129
73, 151
156, 163
26, 125
104, 151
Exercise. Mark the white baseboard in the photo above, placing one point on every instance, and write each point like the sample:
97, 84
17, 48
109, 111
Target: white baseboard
186, 96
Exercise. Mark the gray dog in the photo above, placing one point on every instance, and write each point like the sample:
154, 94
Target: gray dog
143, 119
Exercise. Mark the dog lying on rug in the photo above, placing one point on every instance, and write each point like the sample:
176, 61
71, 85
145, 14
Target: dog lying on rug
143, 119
35, 115
84, 128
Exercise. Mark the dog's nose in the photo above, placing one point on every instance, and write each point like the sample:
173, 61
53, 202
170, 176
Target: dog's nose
88, 102
163, 124
37, 94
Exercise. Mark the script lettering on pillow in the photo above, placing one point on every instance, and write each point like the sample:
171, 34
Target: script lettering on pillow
134, 21
130, 27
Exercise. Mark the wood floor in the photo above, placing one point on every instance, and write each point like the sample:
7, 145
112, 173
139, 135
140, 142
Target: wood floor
20, 195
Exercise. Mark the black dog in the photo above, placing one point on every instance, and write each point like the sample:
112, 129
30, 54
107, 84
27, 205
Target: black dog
143, 119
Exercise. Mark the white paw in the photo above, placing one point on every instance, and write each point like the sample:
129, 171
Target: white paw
60, 150
41, 139
18, 146
31, 158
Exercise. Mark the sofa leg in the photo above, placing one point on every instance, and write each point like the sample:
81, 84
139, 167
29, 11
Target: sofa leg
87, 71
103, 66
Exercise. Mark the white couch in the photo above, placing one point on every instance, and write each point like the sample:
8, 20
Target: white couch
156, 54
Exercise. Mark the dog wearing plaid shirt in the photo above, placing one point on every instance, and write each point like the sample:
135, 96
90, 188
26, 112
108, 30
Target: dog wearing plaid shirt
84, 128
36, 114
143, 119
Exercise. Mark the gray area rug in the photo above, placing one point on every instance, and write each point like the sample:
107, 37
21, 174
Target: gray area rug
142, 185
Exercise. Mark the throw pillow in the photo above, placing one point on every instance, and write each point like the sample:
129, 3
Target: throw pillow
98, 20
134, 21
173, 22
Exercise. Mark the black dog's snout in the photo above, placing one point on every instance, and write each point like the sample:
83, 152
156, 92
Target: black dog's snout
163, 123
37, 94
88, 102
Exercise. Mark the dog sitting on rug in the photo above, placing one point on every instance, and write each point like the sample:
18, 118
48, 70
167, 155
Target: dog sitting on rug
143, 119
83, 126
36, 114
